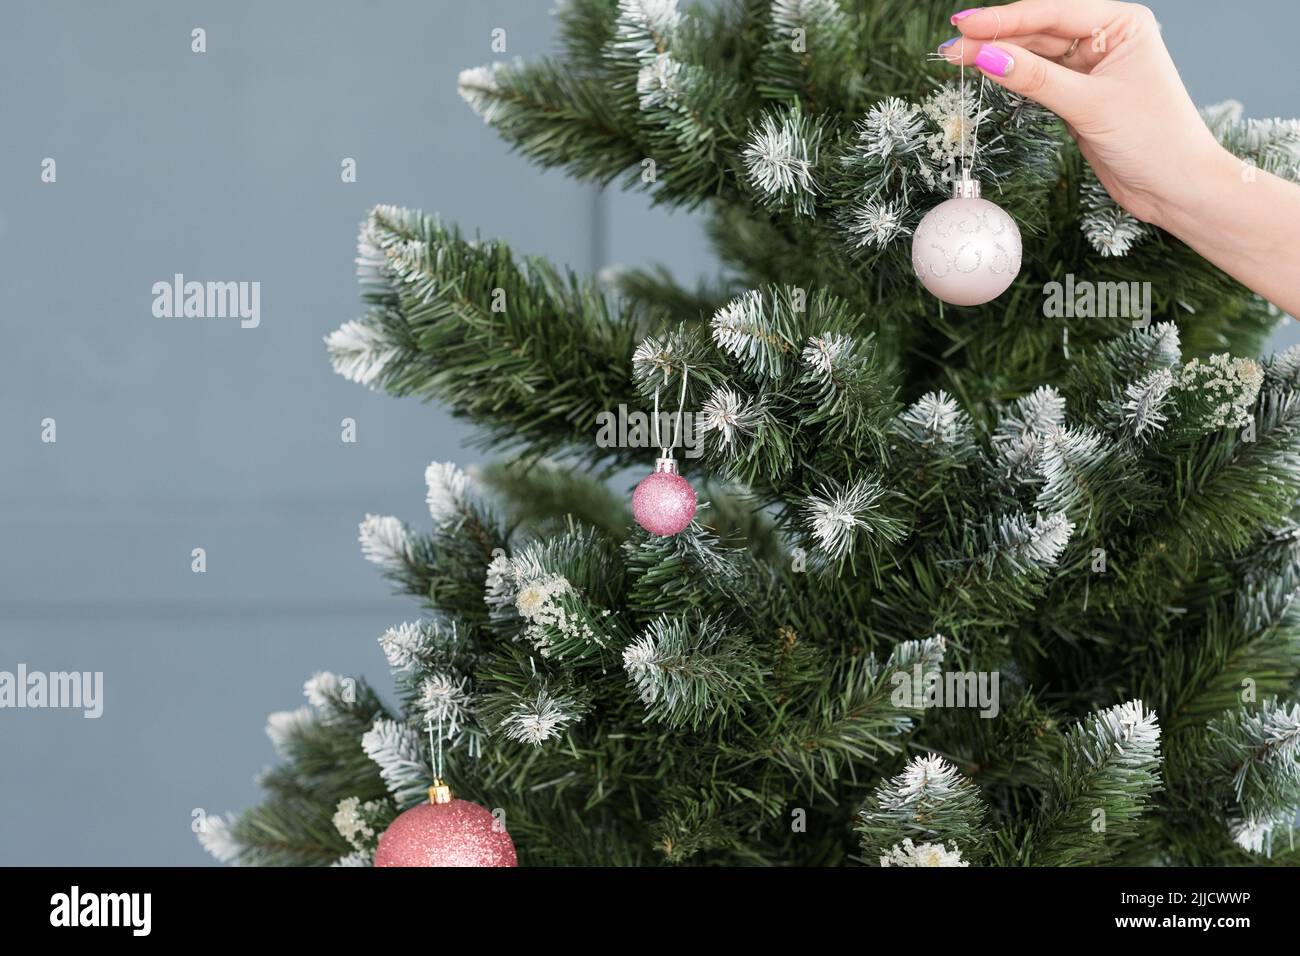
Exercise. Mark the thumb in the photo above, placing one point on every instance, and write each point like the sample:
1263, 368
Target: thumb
1062, 90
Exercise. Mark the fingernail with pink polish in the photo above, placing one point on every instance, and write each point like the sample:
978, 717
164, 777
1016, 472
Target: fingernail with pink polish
993, 60
962, 15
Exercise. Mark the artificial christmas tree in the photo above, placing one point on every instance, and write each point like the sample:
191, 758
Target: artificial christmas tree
965, 586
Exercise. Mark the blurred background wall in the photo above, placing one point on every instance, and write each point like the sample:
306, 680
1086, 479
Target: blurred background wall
174, 435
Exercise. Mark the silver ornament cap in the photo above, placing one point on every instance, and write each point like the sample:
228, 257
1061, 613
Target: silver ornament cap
966, 186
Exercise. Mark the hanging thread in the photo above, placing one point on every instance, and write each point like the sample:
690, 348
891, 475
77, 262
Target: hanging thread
435, 748
967, 167
665, 451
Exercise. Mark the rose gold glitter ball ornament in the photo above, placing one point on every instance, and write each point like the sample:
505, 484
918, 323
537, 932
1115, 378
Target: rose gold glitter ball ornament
664, 502
445, 832
966, 250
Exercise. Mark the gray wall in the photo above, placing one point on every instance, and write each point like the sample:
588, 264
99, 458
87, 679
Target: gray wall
180, 434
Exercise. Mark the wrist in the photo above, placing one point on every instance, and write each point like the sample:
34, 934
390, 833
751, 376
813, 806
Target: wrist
1198, 187
1244, 220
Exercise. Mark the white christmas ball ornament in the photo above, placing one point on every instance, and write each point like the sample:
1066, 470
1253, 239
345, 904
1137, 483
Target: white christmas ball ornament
966, 250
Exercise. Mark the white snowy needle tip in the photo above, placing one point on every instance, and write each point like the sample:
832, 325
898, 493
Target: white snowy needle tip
215, 836
281, 726
729, 414
359, 352
447, 489
385, 542
322, 689
777, 159
908, 853
537, 719
478, 86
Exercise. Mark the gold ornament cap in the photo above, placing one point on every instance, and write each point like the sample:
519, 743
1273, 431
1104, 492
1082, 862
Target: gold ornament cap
439, 792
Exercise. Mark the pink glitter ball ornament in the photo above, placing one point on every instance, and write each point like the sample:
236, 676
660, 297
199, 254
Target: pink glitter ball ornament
445, 832
664, 502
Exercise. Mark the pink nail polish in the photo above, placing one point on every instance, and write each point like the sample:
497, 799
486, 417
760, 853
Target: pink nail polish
993, 60
964, 14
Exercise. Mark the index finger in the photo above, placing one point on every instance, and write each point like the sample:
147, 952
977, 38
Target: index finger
1063, 19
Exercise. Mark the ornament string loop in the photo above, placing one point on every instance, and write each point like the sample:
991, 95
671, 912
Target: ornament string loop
666, 451
968, 166
979, 106
435, 747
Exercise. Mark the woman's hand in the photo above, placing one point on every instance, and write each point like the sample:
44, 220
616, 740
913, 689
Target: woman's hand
1103, 68
1117, 89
